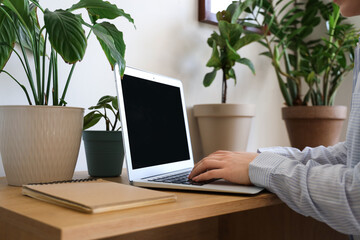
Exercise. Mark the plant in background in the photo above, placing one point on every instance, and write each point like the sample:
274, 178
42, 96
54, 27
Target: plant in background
320, 63
64, 30
226, 44
106, 102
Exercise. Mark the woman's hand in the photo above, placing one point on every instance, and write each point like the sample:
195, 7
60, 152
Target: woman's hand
231, 166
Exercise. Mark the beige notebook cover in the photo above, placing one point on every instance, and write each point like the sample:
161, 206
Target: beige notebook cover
96, 195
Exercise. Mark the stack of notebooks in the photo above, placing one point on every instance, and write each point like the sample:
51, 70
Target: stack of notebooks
96, 195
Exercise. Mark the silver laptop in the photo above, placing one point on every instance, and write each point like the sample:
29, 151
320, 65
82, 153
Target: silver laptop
156, 134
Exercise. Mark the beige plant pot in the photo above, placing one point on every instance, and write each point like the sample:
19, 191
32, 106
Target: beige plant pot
314, 125
39, 143
224, 126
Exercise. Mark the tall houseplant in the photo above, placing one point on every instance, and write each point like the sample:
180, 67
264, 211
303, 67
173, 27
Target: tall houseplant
226, 126
104, 149
31, 150
300, 58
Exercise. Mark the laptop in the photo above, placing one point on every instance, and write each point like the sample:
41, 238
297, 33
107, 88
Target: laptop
156, 134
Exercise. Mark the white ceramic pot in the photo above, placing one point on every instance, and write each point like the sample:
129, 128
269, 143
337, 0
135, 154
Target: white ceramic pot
39, 143
224, 126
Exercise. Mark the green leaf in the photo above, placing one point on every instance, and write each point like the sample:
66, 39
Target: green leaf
112, 42
232, 55
105, 99
214, 60
231, 74
217, 38
247, 39
24, 38
248, 63
223, 16
115, 104
7, 39
66, 34
230, 32
267, 54
22, 10
209, 78
239, 9
91, 119
101, 9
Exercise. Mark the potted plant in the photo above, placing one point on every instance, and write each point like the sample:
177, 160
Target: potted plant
104, 150
40, 143
298, 59
226, 126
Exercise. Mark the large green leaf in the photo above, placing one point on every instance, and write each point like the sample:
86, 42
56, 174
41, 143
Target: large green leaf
91, 119
66, 34
23, 35
22, 10
209, 78
112, 42
214, 60
247, 39
101, 9
239, 9
231, 53
248, 63
231, 32
7, 39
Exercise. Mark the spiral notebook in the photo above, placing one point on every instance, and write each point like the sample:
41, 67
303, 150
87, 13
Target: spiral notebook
95, 195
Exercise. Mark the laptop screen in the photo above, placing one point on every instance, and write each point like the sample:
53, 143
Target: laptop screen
155, 122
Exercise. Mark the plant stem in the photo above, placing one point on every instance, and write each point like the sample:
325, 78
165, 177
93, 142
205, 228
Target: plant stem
36, 53
47, 94
116, 121
22, 86
62, 99
106, 120
224, 88
29, 74
17, 54
55, 78
43, 71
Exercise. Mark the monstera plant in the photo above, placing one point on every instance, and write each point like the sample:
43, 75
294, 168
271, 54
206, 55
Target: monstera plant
41, 143
64, 30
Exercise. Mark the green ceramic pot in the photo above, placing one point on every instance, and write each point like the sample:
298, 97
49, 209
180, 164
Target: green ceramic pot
104, 153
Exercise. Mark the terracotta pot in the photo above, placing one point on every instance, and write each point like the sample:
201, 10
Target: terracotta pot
224, 126
39, 143
314, 125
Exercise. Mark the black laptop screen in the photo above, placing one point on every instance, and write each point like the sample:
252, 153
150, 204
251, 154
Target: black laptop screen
155, 122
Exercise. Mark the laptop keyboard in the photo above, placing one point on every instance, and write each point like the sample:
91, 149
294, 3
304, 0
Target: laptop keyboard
178, 178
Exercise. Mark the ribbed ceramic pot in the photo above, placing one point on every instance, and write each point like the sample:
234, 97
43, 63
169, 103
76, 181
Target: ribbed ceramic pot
104, 153
224, 126
39, 143
314, 125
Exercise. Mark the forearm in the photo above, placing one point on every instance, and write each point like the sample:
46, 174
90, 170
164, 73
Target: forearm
328, 193
324, 155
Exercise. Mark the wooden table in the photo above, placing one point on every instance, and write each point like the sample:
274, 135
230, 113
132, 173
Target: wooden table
193, 216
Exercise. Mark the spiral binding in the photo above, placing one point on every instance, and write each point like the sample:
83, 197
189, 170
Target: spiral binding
66, 181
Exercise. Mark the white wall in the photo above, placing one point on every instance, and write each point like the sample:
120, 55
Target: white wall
169, 40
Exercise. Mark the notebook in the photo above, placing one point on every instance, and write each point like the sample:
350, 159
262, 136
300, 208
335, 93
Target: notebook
95, 195
156, 134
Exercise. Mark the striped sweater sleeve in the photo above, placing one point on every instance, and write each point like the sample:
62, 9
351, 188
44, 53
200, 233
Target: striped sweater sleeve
329, 193
334, 154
